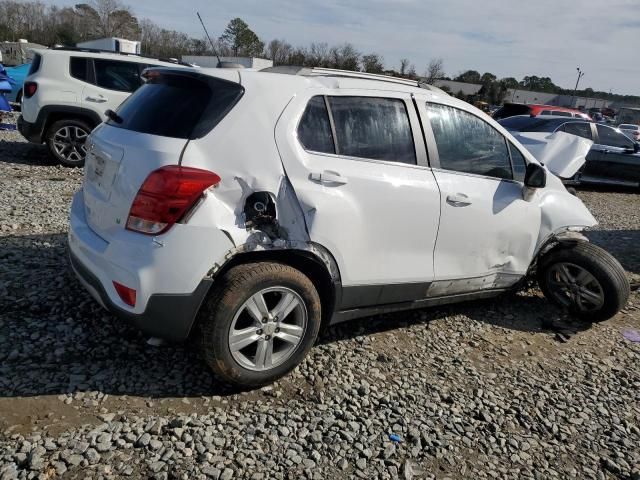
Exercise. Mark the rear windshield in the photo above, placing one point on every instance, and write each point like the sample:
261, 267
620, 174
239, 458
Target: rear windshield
178, 105
35, 64
511, 109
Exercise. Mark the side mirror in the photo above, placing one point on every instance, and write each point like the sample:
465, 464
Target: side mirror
536, 176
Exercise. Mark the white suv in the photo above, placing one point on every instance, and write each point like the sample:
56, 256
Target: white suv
266, 204
68, 91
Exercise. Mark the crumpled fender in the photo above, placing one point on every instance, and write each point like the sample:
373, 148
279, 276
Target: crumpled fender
560, 211
562, 153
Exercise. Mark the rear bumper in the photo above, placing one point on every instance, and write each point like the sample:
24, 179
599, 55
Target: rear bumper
168, 316
30, 131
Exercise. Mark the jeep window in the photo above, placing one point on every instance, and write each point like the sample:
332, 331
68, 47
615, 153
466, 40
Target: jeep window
116, 75
35, 64
518, 163
468, 144
79, 68
609, 136
178, 106
581, 129
314, 130
373, 128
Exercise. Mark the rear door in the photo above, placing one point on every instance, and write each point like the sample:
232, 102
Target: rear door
358, 165
488, 231
111, 82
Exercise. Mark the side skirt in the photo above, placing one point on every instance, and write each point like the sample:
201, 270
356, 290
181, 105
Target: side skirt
346, 315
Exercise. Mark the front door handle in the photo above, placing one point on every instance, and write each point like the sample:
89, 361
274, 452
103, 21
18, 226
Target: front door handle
96, 99
328, 177
458, 200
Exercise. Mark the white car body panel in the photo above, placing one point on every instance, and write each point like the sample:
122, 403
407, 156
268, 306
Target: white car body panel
383, 226
562, 153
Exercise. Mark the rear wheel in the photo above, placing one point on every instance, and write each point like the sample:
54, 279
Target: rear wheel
66, 139
259, 323
584, 279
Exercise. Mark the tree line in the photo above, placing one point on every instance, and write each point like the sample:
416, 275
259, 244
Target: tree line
52, 25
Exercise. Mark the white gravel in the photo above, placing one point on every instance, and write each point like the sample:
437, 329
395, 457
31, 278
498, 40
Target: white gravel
508, 388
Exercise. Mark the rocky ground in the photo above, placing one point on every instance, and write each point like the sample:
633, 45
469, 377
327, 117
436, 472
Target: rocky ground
508, 388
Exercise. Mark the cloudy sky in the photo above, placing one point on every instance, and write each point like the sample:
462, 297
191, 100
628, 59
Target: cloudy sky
505, 37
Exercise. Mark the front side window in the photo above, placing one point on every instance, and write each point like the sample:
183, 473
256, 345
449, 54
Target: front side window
581, 129
116, 75
467, 143
610, 137
373, 128
314, 129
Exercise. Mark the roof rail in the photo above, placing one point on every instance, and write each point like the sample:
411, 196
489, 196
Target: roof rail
126, 54
334, 72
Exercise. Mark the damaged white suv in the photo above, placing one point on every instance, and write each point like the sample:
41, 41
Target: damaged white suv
264, 204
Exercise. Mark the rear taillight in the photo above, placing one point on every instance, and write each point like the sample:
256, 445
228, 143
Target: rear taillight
29, 89
166, 196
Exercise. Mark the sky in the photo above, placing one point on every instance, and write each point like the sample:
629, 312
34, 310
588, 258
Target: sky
509, 38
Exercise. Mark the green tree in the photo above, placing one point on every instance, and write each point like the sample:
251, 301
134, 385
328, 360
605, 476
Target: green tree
241, 39
470, 76
372, 63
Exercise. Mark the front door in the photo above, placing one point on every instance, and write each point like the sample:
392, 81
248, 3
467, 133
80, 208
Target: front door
358, 166
487, 232
613, 157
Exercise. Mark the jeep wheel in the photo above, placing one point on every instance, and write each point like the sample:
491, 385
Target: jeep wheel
65, 139
259, 323
584, 279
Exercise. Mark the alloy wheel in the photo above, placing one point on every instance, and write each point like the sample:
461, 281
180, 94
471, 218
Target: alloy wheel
69, 143
574, 286
268, 328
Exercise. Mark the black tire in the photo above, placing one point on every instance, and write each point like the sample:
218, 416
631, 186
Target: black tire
230, 293
612, 284
572, 191
74, 155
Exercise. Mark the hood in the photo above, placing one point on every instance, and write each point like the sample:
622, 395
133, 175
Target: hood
562, 153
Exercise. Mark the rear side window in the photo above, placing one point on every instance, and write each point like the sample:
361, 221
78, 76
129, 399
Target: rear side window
468, 144
373, 128
178, 106
79, 68
35, 64
580, 129
116, 75
609, 136
314, 130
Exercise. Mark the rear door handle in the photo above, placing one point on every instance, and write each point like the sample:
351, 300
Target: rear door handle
458, 200
327, 177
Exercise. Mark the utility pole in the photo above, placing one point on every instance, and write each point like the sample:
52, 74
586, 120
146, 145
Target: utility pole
580, 75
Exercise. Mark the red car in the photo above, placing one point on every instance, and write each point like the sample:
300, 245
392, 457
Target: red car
513, 109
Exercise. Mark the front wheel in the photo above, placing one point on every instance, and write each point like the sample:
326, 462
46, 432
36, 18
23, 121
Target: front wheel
584, 279
259, 323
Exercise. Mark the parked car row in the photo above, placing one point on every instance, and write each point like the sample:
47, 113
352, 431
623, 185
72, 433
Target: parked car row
614, 158
210, 200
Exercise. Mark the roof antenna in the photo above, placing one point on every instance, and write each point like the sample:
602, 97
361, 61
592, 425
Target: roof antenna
210, 41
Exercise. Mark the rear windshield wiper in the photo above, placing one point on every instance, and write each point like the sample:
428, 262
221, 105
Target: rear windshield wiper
111, 115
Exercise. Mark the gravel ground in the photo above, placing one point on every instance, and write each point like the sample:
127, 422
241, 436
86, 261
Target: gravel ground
507, 388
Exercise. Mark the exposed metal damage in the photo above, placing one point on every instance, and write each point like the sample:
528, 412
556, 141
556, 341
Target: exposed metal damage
270, 222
